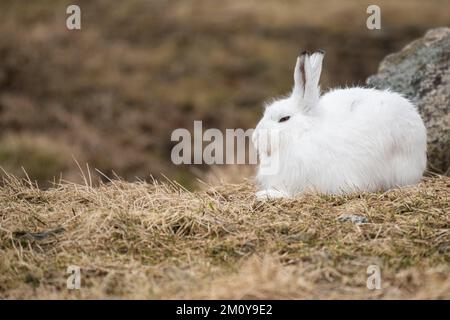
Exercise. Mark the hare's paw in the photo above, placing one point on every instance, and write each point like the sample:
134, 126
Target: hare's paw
269, 194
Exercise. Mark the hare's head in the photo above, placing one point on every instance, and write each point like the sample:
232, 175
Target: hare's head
289, 117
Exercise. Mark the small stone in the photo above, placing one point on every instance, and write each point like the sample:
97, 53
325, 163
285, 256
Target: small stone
353, 218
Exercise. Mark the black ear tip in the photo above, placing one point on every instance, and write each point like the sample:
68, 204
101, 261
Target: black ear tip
321, 51
304, 52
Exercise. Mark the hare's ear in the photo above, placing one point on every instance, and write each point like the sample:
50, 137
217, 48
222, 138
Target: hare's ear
306, 77
316, 65
299, 75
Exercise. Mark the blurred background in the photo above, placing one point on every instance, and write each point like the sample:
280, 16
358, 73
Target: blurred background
111, 93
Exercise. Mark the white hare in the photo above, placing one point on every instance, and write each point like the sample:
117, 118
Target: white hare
348, 140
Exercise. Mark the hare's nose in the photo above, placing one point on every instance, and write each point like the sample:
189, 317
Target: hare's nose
262, 142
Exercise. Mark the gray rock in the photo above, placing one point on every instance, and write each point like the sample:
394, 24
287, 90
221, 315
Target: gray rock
421, 72
353, 218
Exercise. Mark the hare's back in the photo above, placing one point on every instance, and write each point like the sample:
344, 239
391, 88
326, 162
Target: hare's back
360, 103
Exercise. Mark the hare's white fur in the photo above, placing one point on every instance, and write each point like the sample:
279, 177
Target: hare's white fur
348, 140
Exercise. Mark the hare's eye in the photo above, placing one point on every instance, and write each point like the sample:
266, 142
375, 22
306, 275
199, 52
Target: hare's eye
284, 119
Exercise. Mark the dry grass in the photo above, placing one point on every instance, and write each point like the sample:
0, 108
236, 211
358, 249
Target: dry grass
140, 240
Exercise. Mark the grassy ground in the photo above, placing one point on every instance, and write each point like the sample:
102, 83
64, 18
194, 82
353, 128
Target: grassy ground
140, 240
